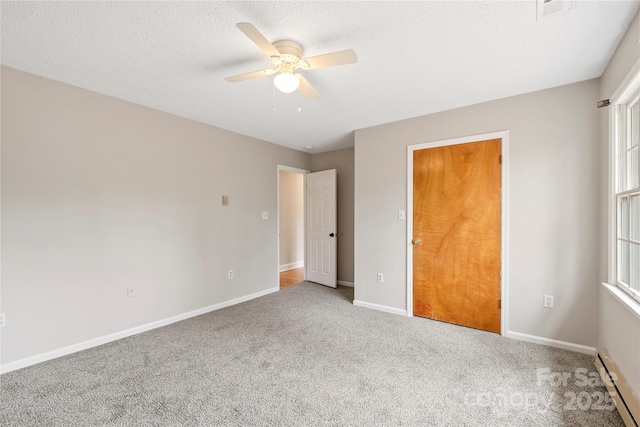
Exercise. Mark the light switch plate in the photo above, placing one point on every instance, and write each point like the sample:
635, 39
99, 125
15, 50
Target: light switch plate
265, 215
401, 215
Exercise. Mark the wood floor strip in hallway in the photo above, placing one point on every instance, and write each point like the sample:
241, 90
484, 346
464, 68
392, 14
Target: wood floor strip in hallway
291, 277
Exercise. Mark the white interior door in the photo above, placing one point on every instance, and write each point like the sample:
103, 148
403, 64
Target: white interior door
322, 235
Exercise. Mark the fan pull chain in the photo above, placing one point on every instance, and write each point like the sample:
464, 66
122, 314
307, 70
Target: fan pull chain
274, 99
299, 107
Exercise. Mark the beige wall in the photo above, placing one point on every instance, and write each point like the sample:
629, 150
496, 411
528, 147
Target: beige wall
99, 194
343, 162
291, 220
553, 206
619, 328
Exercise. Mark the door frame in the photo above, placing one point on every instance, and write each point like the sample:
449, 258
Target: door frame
303, 172
504, 248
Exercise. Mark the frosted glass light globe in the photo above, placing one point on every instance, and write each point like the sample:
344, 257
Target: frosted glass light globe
286, 82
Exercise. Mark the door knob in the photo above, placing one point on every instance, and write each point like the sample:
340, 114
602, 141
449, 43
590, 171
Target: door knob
416, 242
331, 235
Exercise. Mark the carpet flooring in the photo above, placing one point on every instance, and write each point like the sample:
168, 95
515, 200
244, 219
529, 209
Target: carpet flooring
305, 356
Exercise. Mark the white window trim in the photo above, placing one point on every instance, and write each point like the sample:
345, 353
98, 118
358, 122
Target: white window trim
624, 95
626, 299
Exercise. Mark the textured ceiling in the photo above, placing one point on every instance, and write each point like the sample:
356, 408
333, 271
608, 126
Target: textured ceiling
415, 58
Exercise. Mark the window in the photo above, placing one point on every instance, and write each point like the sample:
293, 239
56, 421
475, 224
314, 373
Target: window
627, 194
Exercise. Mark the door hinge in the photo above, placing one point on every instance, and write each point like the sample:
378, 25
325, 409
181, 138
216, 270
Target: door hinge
500, 158
499, 303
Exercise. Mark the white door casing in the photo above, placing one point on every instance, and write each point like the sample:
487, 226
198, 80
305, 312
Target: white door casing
322, 235
504, 136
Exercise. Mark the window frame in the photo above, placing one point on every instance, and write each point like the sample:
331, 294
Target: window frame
626, 97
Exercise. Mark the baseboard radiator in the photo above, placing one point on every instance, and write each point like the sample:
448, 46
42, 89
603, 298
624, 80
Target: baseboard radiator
627, 403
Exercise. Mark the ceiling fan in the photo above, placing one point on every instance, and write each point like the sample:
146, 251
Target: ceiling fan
286, 56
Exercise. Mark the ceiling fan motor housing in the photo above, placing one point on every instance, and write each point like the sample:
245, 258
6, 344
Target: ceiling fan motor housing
290, 52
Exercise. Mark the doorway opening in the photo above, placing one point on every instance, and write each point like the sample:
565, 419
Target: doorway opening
291, 226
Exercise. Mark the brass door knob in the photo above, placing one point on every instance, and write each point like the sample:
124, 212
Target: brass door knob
416, 242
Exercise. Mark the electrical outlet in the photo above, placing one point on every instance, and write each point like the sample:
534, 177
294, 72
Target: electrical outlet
3, 320
230, 274
131, 292
380, 278
548, 301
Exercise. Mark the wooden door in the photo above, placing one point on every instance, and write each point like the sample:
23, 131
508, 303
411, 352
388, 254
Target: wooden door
456, 234
322, 248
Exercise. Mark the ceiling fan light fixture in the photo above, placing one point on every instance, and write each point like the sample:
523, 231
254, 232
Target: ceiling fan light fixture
286, 82
286, 57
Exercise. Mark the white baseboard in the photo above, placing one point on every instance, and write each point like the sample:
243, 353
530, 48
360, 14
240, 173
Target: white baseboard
551, 342
347, 284
23, 363
291, 266
378, 307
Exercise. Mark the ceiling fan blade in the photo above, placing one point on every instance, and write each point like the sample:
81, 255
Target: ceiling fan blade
306, 89
331, 59
247, 76
257, 37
